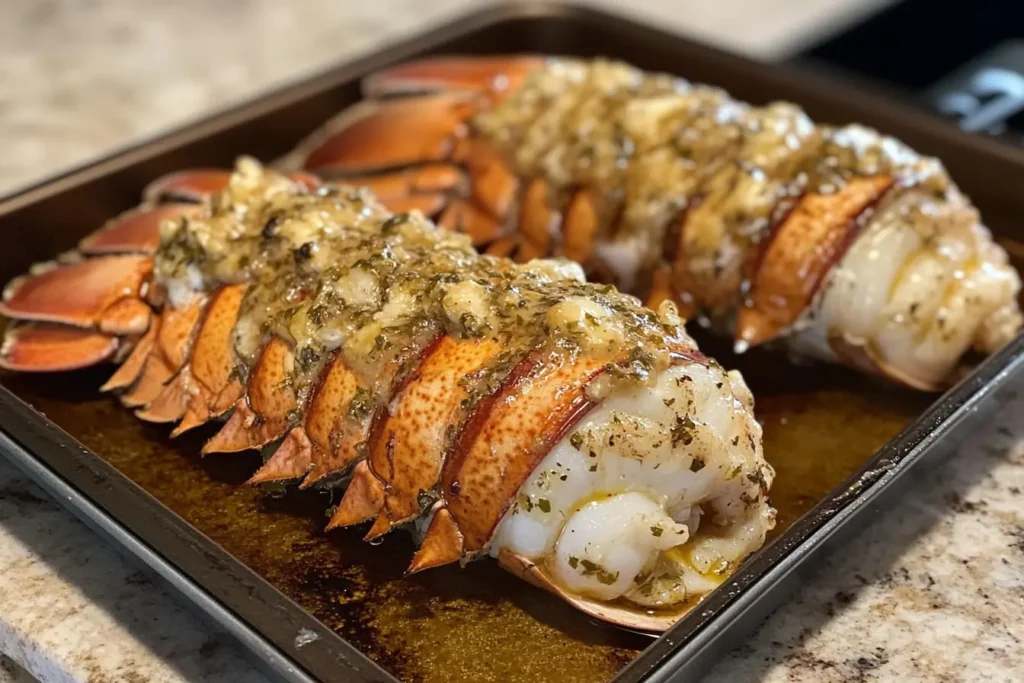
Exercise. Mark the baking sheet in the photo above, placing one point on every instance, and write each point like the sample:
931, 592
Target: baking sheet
318, 598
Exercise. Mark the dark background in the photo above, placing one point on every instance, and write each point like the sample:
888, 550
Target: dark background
932, 48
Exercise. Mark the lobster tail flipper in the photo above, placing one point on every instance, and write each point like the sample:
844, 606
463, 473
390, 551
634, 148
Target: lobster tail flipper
490, 75
45, 347
96, 293
416, 153
83, 311
189, 186
135, 231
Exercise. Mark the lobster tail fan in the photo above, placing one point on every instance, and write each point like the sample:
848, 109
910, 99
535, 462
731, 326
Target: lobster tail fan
86, 310
415, 153
77, 313
379, 136
45, 347
189, 186
92, 294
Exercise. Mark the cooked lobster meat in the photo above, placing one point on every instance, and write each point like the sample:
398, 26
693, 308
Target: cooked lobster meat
833, 242
494, 408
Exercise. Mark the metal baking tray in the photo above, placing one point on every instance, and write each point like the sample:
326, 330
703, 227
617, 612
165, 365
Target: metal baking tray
314, 606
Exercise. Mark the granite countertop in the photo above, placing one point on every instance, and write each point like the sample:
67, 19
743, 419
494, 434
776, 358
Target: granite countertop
78, 79
932, 590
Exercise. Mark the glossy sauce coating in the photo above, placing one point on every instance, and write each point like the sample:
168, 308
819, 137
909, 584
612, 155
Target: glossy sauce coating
333, 271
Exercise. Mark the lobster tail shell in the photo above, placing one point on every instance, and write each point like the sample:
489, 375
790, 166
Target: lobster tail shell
135, 231
211, 366
291, 460
147, 385
408, 450
440, 401
671, 190
54, 348
362, 500
189, 186
102, 293
265, 414
511, 435
490, 75
651, 621
129, 372
798, 254
443, 544
324, 443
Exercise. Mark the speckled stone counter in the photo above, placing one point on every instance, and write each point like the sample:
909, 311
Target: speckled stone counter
933, 590
71, 609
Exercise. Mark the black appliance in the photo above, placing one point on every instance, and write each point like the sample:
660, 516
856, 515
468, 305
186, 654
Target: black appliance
961, 60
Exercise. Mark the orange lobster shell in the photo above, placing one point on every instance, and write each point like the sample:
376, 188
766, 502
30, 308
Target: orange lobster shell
177, 366
433, 135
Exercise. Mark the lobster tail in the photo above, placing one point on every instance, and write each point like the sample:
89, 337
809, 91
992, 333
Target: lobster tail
417, 152
372, 349
748, 217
